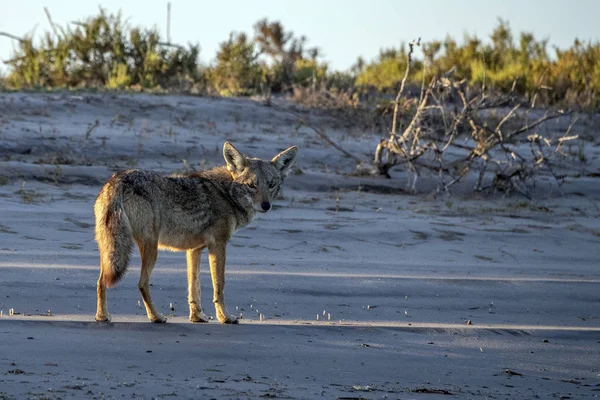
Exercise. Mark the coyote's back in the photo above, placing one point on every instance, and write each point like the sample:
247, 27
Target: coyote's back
182, 213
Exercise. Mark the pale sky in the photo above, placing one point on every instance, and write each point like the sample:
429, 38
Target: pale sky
342, 29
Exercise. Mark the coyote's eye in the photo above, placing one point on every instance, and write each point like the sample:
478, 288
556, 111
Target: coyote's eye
272, 185
252, 185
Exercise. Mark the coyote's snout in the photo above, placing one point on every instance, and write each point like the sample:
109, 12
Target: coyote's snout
182, 213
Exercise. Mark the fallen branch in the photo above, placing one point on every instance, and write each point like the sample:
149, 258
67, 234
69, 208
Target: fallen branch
319, 132
536, 123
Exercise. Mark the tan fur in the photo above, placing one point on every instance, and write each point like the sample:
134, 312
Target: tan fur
182, 213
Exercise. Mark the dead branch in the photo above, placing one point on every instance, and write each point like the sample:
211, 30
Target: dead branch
535, 124
418, 113
324, 136
396, 144
566, 137
510, 175
402, 85
319, 132
506, 118
457, 121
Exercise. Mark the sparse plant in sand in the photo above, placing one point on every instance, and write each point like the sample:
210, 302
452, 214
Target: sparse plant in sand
56, 173
29, 196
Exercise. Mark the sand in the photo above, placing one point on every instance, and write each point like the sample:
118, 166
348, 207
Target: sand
364, 291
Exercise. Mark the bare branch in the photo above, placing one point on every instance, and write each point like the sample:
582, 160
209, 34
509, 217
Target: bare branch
319, 132
419, 112
402, 84
536, 123
506, 118
457, 121
566, 137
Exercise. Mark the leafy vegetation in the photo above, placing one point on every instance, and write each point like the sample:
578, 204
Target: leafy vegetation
236, 71
523, 68
104, 51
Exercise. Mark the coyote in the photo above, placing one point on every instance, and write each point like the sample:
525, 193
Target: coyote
182, 213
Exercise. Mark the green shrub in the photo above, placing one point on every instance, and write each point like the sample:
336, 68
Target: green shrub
573, 76
119, 77
309, 73
101, 51
236, 71
104, 51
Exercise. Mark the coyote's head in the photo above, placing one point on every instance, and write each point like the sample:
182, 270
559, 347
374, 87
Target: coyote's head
256, 182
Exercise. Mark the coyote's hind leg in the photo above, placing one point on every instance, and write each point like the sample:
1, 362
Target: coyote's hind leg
102, 314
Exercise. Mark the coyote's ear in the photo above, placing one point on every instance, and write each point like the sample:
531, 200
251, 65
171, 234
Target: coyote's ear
285, 160
236, 162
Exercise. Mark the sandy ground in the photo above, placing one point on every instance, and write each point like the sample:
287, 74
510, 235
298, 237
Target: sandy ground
365, 292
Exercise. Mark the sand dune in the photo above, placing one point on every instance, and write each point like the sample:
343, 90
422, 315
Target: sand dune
416, 297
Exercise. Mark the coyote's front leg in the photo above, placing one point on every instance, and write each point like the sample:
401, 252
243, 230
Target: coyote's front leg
148, 251
216, 257
193, 273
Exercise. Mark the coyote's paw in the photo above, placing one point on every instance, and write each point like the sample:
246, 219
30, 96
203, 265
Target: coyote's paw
158, 318
103, 317
199, 317
228, 319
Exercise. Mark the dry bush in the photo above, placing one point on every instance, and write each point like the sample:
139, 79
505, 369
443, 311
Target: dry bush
492, 134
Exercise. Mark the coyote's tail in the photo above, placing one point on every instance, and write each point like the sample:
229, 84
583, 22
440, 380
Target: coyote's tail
113, 234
